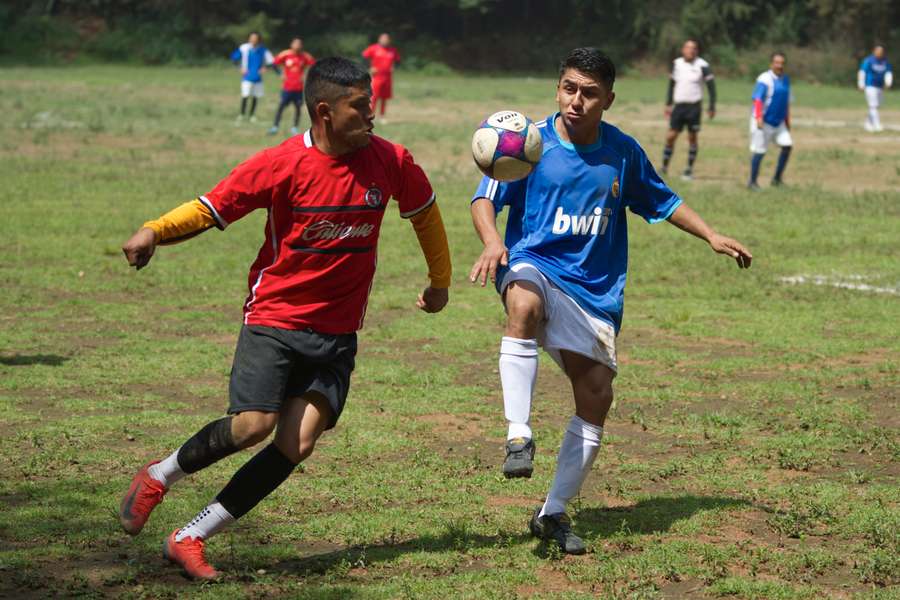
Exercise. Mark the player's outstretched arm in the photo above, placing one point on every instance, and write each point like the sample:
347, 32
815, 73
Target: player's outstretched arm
686, 219
177, 225
484, 217
429, 227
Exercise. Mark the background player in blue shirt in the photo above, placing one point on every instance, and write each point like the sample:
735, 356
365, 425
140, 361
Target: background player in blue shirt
253, 58
875, 74
770, 119
561, 270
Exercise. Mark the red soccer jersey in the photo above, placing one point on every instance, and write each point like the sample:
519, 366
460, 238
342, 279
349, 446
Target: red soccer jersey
294, 66
382, 59
316, 266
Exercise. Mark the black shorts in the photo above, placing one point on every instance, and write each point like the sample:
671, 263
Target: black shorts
291, 97
686, 115
273, 365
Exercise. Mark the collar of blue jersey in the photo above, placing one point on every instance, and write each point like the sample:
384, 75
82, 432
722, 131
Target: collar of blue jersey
580, 148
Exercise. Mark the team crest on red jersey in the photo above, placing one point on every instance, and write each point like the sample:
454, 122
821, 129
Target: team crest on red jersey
373, 197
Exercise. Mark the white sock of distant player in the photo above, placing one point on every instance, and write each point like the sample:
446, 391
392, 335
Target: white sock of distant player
580, 446
167, 471
210, 521
873, 117
518, 374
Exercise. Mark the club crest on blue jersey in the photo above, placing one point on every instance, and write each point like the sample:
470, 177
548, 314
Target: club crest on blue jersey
615, 187
373, 197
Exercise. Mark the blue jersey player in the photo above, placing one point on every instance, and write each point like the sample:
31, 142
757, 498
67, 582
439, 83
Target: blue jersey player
770, 119
253, 59
561, 271
875, 75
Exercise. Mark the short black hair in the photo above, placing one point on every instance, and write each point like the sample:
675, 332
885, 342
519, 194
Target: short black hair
330, 78
593, 62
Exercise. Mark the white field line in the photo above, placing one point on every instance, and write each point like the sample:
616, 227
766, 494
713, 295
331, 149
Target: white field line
846, 282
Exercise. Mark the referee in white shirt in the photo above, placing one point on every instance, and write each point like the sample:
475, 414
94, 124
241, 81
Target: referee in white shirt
689, 71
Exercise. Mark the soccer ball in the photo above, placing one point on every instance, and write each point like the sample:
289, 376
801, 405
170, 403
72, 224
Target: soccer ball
506, 146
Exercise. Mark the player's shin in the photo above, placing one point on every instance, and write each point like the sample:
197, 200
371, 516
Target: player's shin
692, 156
782, 162
667, 155
579, 448
755, 162
518, 374
212, 443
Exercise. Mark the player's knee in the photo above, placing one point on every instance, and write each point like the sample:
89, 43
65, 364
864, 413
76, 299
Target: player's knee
252, 427
523, 307
305, 449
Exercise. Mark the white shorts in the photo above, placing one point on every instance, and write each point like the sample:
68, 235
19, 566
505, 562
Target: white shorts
566, 325
873, 96
761, 138
252, 88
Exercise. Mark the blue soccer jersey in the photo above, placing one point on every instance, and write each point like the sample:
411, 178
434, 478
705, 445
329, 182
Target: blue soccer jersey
875, 70
568, 218
775, 94
252, 59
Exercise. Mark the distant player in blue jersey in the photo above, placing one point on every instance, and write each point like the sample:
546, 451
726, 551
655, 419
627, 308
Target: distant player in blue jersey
875, 74
561, 271
252, 57
771, 120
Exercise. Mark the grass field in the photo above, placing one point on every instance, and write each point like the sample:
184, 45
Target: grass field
752, 451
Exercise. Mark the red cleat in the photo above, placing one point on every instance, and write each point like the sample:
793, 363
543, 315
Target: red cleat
188, 554
142, 497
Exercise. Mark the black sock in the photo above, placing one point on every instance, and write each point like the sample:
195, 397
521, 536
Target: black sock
212, 443
278, 114
692, 156
243, 106
296, 115
252, 105
782, 162
255, 480
667, 155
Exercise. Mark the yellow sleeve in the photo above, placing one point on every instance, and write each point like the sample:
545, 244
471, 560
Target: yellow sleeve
181, 223
430, 230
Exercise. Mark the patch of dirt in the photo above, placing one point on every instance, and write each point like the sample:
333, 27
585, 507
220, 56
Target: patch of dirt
463, 426
550, 582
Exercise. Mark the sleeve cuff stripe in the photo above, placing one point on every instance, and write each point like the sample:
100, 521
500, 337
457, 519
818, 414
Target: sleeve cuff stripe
222, 223
413, 213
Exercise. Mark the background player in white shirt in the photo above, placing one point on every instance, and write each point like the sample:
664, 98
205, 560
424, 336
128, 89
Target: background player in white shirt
689, 72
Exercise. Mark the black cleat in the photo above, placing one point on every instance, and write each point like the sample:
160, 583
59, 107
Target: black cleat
558, 528
519, 458
777, 183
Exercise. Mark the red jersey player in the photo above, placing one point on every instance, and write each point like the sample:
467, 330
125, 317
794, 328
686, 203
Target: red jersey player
325, 193
294, 60
382, 57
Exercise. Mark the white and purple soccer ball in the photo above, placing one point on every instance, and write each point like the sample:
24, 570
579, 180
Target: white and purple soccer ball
507, 146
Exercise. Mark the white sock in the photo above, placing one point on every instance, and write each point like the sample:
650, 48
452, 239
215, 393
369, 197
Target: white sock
168, 471
518, 373
210, 521
873, 117
580, 446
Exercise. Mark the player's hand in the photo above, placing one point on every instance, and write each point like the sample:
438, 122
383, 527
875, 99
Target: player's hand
372, 70
759, 123
667, 111
243, 71
140, 247
433, 300
492, 256
732, 248
712, 115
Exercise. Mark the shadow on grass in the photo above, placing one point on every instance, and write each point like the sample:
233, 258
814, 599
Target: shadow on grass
21, 360
653, 515
455, 539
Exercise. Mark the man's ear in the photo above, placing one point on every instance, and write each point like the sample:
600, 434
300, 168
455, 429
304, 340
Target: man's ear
609, 100
323, 111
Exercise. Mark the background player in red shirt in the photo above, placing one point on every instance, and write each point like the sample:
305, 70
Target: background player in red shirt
382, 57
294, 60
325, 193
